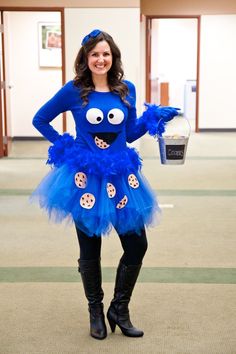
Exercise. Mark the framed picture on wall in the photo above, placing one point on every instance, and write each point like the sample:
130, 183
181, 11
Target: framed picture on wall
49, 44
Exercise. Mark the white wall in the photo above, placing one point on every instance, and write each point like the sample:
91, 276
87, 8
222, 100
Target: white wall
31, 85
218, 72
121, 23
174, 55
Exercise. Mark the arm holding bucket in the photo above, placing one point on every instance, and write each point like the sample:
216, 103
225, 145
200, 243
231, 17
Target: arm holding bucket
153, 119
157, 116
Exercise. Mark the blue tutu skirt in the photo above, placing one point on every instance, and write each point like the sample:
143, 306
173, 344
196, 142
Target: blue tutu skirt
96, 191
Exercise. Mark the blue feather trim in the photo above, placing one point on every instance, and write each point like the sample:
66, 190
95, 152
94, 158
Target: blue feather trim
157, 117
57, 151
66, 151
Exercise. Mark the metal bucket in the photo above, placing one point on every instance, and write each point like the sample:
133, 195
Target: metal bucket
173, 149
174, 141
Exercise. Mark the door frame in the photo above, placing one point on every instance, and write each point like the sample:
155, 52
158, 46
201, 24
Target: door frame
5, 138
148, 56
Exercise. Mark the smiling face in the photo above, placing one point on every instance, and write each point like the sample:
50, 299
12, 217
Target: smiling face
100, 59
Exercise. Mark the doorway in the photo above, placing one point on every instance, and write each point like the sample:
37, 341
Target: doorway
173, 64
29, 74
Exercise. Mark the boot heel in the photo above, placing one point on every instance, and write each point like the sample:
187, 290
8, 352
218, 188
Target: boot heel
112, 324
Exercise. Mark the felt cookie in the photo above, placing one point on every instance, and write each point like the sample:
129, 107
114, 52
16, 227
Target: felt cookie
133, 181
100, 143
87, 200
111, 190
122, 203
81, 180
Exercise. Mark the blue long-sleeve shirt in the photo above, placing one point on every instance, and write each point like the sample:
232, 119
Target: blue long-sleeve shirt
106, 122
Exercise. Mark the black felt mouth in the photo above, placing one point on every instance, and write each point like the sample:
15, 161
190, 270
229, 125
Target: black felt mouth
108, 138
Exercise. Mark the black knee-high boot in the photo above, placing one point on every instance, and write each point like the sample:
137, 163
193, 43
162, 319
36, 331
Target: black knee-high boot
91, 275
118, 312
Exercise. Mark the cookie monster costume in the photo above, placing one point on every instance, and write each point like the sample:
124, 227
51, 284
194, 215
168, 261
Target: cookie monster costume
96, 179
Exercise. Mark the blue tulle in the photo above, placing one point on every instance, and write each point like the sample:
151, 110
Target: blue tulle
90, 203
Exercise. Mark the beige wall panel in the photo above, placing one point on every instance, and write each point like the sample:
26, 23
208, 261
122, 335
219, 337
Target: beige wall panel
186, 7
70, 3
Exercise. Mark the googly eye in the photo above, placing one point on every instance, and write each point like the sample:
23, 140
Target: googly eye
94, 116
115, 116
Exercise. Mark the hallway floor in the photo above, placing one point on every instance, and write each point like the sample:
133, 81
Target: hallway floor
185, 299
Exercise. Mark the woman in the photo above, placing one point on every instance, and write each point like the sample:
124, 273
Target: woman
96, 180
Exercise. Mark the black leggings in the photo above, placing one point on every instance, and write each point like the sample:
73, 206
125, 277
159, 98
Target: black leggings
134, 246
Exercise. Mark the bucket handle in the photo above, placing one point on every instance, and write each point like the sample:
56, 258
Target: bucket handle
179, 115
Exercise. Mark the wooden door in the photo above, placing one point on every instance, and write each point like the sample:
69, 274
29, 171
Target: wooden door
5, 140
1, 97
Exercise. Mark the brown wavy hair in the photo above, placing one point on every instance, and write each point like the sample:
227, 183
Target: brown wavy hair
83, 77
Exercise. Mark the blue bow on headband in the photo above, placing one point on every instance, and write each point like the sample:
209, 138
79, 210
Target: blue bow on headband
92, 34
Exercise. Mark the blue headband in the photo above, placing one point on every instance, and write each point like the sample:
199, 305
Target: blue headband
92, 34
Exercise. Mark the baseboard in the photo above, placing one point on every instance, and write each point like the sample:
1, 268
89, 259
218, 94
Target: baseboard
28, 138
217, 130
